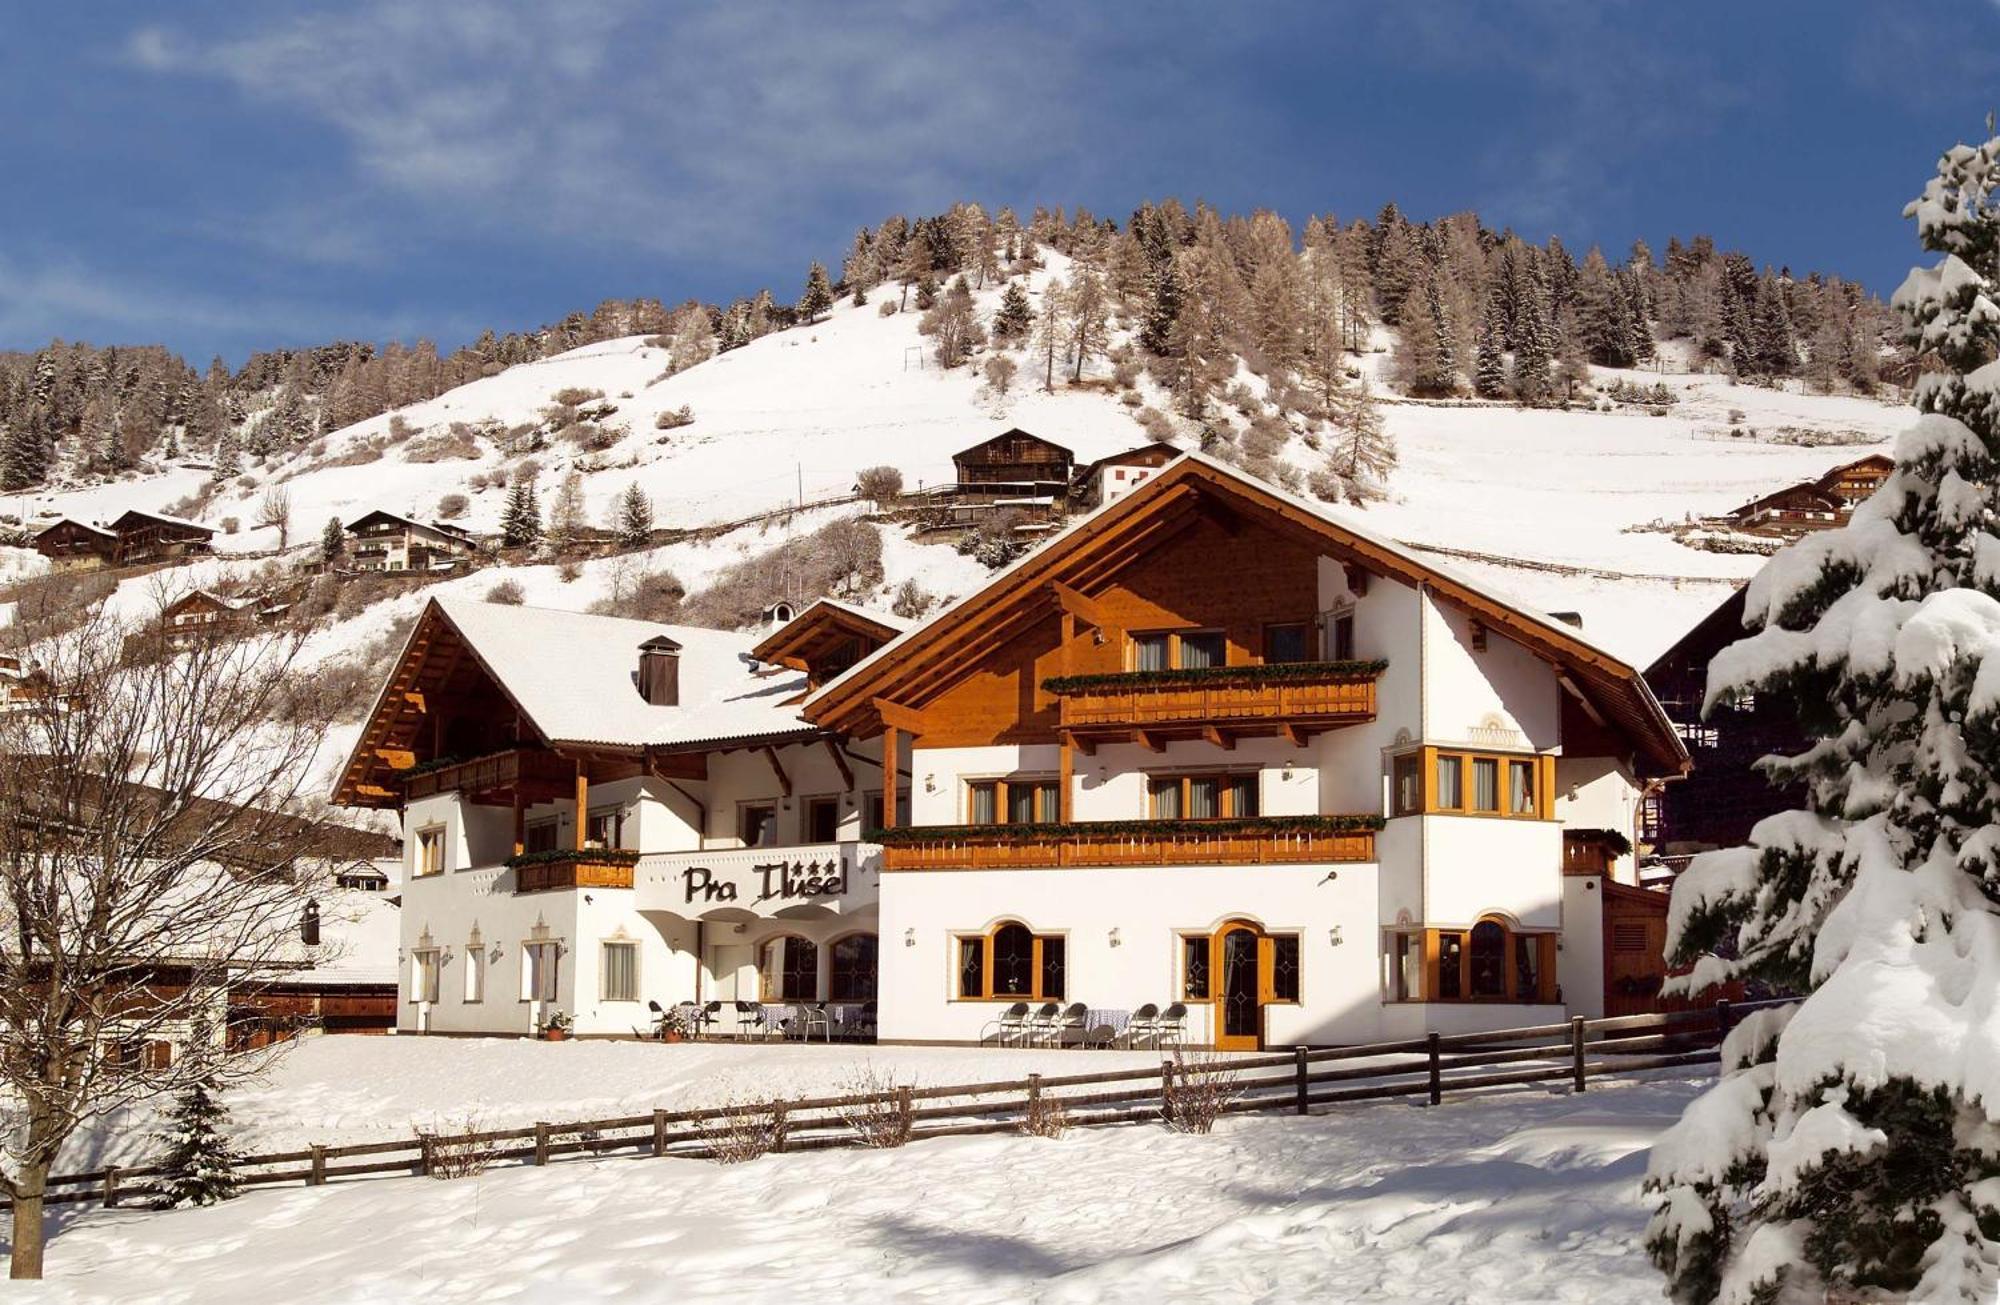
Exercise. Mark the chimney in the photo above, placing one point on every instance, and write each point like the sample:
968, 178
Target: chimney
660, 671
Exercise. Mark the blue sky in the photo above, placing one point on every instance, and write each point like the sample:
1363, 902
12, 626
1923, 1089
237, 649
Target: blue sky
227, 177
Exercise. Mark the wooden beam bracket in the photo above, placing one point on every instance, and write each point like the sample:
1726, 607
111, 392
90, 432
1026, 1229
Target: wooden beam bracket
778, 769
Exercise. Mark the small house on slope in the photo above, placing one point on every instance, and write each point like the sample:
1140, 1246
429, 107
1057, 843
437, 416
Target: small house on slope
384, 541
72, 545
155, 537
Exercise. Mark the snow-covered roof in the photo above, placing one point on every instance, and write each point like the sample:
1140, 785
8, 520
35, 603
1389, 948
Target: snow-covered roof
359, 935
80, 525
163, 519
231, 604
573, 675
438, 527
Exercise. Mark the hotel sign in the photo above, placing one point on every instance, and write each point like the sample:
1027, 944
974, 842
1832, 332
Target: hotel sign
768, 881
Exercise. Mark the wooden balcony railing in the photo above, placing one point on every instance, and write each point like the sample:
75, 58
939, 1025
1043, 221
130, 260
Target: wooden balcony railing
552, 872
494, 772
1238, 699
1272, 841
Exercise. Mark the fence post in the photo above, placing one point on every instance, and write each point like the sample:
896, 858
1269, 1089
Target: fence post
1437, 1069
1576, 1050
424, 1159
1722, 1014
1300, 1080
317, 1178
541, 1143
110, 1186
1034, 1097
659, 1132
1167, 1090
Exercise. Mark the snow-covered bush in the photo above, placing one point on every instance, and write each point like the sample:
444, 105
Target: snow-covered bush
1199, 1093
674, 418
1848, 1151
455, 1148
452, 506
744, 1132
506, 591
883, 1114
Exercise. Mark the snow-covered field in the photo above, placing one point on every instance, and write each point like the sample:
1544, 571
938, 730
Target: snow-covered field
1529, 1196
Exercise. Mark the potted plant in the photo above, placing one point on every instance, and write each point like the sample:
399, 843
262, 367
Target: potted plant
675, 1025
556, 1027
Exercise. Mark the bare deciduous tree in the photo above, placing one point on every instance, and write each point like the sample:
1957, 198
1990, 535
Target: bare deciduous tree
157, 851
275, 509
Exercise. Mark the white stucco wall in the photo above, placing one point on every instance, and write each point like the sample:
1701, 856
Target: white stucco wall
1580, 964
1479, 864
1600, 793
1470, 695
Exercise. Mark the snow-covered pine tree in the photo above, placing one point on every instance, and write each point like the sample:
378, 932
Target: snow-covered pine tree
1849, 1150
332, 540
1490, 363
24, 455
1361, 453
228, 461
199, 1167
521, 519
818, 296
635, 516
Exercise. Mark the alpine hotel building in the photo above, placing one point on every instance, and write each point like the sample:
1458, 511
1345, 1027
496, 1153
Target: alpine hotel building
1212, 744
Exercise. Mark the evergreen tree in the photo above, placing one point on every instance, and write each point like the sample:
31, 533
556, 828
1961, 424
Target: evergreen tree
521, 519
199, 1166
24, 458
1771, 342
1089, 318
1848, 1152
1362, 452
818, 296
228, 462
1164, 294
635, 516
332, 541
1535, 346
1490, 374
1016, 316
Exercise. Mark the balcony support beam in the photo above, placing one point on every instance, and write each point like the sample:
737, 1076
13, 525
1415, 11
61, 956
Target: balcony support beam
778, 769
1220, 738
840, 763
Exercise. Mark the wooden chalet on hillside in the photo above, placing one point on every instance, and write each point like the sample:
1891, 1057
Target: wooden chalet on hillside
154, 537
1013, 472
1814, 504
72, 545
387, 542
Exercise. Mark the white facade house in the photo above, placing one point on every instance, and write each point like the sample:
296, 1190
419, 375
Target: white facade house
1213, 747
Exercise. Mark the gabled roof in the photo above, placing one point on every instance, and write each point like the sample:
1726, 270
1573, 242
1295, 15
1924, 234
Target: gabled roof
921, 663
1011, 433
160, 518
572, 677
228, 604
822, 618
1146, 455
436, 527
80, 525
1812, 490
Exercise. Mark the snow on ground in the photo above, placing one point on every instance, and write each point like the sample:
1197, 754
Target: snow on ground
1525, 1196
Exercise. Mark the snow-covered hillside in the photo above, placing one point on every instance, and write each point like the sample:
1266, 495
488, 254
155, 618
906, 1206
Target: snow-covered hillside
796, 413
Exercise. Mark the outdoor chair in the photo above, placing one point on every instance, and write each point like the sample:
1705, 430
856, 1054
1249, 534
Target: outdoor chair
751, 1020
710, 1017
1143, 1027
814, 1016
863, 1025
1072, 1025
1011, 1028
1172, 1026
1045, 1023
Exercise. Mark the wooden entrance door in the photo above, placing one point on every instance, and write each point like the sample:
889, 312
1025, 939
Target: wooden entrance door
1239, 959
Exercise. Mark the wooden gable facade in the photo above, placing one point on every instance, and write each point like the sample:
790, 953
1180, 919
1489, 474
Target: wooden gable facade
1015, 458
149, 537
1196, 548
73, 545
1855, 481
824, 641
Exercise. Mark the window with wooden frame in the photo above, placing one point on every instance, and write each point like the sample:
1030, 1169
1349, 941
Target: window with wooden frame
1017, 801
852, 967
1012, 963
1279, 967
1178, 650
540, 835
788, 968
871, 809
822, 815
1287, 641
430, 852
1340, 634
1211, 796
1491, 961
1454, 782
618, 970
757, 824
605, 827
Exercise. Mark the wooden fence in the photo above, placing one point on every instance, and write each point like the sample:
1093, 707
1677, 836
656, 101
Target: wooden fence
1428, 1067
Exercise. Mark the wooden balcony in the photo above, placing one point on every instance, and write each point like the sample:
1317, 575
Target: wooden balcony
586, 869
1296, 699
494, 778
1592, 851
1264, 841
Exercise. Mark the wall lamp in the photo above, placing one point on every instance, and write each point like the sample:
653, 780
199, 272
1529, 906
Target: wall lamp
1115, 940
909, 937
930, 783
1333, 937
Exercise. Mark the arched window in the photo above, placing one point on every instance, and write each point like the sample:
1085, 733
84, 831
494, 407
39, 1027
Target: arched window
851, 974
789, 967
1012, 963
1488, 960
